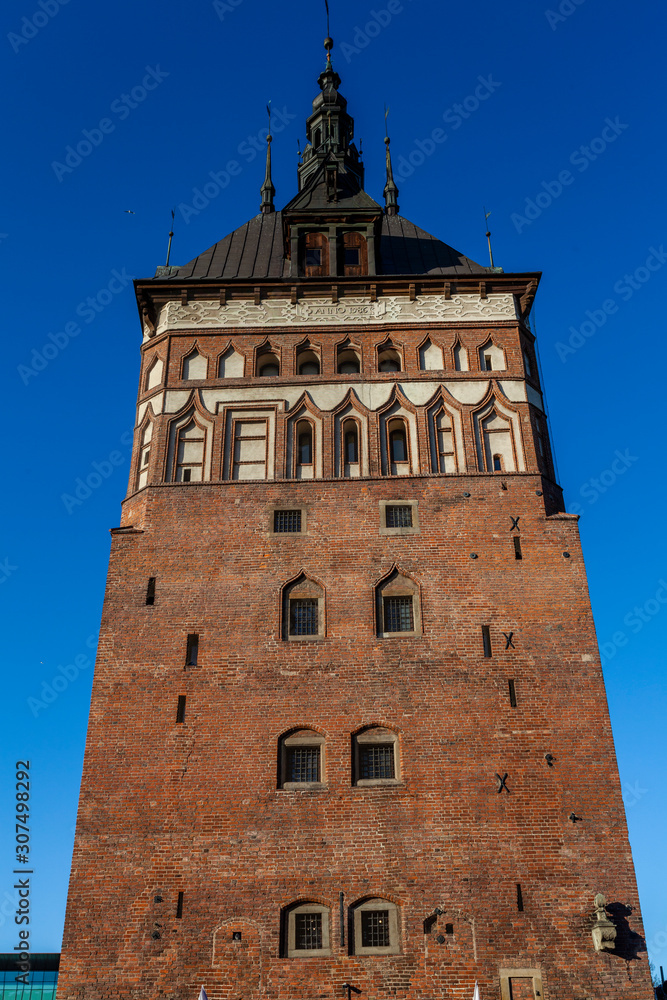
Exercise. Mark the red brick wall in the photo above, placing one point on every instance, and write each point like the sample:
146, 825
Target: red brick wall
194, 807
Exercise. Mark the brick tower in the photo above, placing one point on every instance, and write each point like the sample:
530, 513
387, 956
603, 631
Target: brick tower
348, 732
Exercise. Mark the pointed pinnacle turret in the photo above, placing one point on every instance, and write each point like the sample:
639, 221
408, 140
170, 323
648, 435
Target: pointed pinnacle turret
268, 191
391, 188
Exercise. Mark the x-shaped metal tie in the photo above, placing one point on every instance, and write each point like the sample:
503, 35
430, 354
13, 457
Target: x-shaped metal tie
509, 640
502, 783
515, 523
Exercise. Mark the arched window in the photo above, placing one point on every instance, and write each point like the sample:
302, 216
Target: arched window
153, 374
315, 255
194, 366
389, 360
190, 447
351, 442
430, 357
498, 445
308, 363
306, 931
397, 606
460, 358
145, 455
304, 448
445, 446
230, 364
354, 254
301, 759
349, 361
398, 441
491, 358
375, 756
375, 925
268, 365
303, 610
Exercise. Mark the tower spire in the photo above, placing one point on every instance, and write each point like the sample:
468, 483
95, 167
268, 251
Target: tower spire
268, 191
391, 188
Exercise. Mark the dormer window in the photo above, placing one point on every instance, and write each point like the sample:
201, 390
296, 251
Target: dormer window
354, 254
315, 255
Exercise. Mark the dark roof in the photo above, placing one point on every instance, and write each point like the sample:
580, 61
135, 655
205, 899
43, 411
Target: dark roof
255, 251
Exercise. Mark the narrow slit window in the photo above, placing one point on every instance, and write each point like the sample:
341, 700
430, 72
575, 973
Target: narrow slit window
497, 463
486, 641
488, 363
517, 548
399, 516
305, 445
512, 688
351, 444
287, 521
519, 898
180, 709
150, 590
398, 445
192, 650
179, 906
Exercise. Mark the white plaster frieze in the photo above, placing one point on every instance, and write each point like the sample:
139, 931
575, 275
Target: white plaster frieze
323, 312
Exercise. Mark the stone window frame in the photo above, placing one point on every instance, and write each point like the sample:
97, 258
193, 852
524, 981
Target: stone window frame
413, 530
303, 588
397, 584
506, 975
290, 930
375, 903
301, 737
369, 735
288, 506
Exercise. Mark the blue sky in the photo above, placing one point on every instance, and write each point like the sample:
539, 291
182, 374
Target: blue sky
562, 144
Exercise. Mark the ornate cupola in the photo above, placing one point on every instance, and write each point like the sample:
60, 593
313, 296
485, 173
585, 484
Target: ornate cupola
330, 130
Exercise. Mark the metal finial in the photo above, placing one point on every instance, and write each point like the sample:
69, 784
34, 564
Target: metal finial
488, 235
171, 236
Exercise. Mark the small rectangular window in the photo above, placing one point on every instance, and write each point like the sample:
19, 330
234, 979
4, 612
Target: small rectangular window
179, 906
308, 931
287, 521
398, 516
512, 687
375, 929
303, 764
303, 616
192, 650
180, 709
488, 363
376, 761
313, 257
486, 640
519, 898
517, 548
398, 615
150, 591
351, 256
